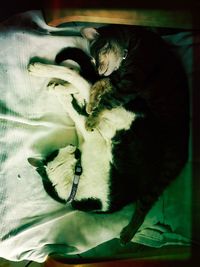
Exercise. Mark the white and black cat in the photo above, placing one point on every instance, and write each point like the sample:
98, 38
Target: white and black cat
112, 156
151, 150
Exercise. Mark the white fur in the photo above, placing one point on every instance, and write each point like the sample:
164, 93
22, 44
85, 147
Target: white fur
61, 171
63, 73
96, 149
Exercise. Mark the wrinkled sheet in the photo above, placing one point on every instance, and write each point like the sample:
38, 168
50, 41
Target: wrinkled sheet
32, 225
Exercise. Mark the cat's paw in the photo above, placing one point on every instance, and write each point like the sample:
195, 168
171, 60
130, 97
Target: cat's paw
95, 97
63, 91
99, 89
57, 85
37, 69
53, 84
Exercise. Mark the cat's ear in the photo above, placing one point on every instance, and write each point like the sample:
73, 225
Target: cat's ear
36, 162
90, 33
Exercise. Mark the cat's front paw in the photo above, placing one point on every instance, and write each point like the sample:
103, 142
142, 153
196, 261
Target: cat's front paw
57, 85
99, 89
95, 97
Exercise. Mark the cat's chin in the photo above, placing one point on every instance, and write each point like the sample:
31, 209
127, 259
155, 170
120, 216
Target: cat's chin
108, 71
106, 74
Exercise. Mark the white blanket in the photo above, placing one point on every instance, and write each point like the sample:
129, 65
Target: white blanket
32, 225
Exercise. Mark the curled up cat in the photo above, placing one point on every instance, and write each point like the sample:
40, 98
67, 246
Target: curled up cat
132, 153
135, 62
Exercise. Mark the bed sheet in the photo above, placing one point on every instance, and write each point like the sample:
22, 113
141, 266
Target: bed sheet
32, 225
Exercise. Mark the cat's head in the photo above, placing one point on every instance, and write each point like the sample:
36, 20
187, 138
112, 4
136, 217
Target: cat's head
40, 165
57, 171
106, 48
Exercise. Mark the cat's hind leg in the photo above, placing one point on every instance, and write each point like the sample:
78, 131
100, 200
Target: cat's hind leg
66, 95
61, 72
50, 71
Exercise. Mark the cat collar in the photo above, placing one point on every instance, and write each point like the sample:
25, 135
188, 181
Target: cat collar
77, 174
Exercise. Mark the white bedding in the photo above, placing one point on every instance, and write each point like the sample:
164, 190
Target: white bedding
32, 225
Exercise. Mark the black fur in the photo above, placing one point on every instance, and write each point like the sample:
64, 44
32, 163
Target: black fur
137, 156
87, 205
77, 55
80, 110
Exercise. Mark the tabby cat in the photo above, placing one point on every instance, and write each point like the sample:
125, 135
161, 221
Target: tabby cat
137, 63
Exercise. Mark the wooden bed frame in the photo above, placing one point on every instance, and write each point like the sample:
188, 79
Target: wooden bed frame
176, 14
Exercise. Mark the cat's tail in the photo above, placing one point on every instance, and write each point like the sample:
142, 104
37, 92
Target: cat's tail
80, 57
